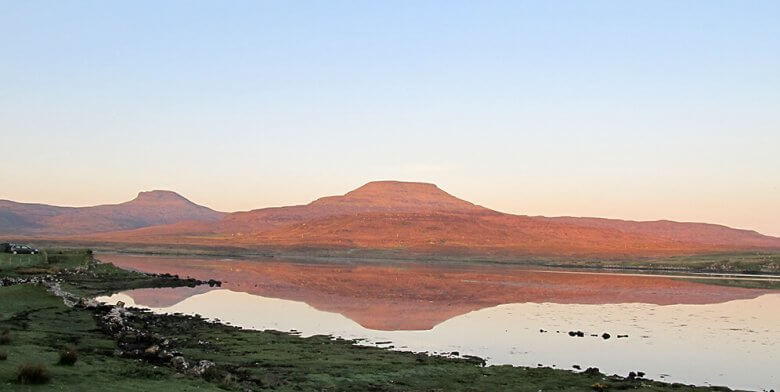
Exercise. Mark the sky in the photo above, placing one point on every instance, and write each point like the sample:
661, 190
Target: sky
638, 110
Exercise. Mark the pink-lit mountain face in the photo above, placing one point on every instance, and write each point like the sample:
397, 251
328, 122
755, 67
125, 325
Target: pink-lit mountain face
147, 209
379, 215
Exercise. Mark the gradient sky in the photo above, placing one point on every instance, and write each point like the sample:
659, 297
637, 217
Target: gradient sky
636, 110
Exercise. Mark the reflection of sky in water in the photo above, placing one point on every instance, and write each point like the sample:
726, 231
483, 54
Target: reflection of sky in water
734, 343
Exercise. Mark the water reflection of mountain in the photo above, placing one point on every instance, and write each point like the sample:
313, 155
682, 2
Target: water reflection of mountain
165, 297
417, 296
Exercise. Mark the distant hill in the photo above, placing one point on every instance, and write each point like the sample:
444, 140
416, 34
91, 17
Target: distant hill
147, 209
702, 233
384, 215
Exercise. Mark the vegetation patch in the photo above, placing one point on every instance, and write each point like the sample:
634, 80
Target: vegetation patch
32, 374
68, 355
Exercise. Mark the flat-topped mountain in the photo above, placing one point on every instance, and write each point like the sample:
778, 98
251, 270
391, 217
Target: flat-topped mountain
397, 196
147, 209
378, 196
379, 215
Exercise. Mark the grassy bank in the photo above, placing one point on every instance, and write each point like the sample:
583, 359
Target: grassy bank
39, 326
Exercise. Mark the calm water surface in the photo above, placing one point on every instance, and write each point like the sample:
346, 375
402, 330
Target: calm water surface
677, 330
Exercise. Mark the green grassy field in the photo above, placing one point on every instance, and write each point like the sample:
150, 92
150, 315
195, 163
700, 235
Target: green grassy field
10, 261
52, 260
40, 325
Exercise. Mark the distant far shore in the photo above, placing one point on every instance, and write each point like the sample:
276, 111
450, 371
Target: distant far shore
752, 263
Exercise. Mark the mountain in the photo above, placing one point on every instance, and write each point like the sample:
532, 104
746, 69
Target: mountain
147, 209
396, 215
480, 233
421, 217
702, 233
377, 196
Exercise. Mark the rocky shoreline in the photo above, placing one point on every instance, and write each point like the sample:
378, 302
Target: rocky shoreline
115, 320
227, 357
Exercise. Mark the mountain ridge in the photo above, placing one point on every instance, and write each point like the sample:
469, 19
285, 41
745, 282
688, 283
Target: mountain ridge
147, 209
395, 215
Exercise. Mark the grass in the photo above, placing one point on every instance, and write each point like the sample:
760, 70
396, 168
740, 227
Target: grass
49, 261
42, 325
724, 262
71, 264
750, 284
10, 261
735, 262
106, 278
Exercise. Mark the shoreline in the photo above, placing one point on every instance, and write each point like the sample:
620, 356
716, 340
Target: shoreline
748, 263
281, 361
733, 279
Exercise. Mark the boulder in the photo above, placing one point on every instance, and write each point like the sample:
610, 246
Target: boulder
592, 371
201, 367
152, 350
179, 363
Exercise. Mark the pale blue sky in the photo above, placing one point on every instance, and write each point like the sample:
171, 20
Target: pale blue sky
637, 110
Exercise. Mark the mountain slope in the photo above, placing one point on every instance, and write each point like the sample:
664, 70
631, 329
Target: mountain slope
478, 233
421, 217
703, 233
147, 209
379, 215
377, 196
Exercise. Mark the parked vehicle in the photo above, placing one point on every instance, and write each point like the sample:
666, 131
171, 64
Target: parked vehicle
19, 249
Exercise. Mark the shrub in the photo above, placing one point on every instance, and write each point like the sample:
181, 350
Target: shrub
69, 355
3, 355
211, 374
5, 337
32, 373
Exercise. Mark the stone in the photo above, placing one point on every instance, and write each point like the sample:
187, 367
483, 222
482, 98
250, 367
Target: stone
152, 350
179, 363
202, 367
592, 371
